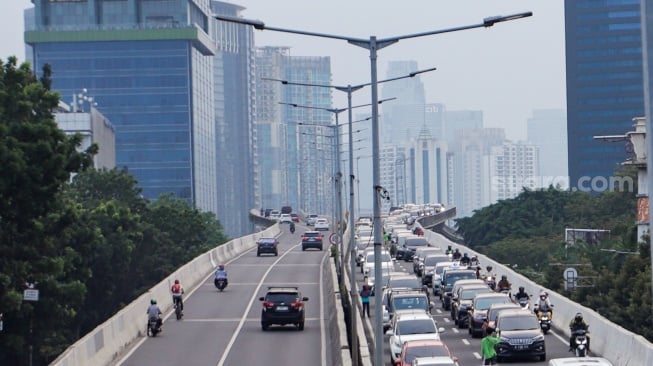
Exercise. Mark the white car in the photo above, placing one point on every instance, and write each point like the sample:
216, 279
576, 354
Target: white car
387, 264
321, 224
411, 326
285, 218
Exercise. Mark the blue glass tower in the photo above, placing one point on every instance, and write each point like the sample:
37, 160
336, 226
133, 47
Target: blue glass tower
604, 84
149, 66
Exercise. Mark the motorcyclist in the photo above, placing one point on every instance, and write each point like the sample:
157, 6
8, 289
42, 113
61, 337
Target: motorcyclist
221, 274
457, 255
504, 284
177, 294
449, 250
465, 260
154, 312
474, 263
521, 294
577, 323
544, 305
489, 277
292, 227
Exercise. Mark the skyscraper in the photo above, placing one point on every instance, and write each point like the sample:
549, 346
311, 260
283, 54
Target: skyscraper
234, 90
604, 82
299, 142
403, 118
547, 129
149, 66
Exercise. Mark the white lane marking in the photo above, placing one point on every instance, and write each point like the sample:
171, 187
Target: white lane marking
190, 293
446, 319
249, 307
322, 331
477, 355
465, 341
455, 330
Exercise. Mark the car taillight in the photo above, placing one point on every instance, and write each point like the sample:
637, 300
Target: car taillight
304, 238
297, 304
268, 304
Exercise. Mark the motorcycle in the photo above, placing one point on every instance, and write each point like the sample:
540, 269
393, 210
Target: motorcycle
220, 283
581, 343
544, 316
153, 327
292, 228
523, 303
490, 281
178, 312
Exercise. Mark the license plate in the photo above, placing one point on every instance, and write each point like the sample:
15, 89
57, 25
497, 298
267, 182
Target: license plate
282, 308
520, 347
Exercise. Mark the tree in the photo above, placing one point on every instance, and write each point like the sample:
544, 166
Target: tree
37, 159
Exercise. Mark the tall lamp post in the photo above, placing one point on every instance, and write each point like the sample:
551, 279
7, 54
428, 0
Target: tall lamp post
373, 45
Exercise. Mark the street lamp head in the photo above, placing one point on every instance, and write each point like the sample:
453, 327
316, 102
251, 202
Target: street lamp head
257, 24
413, 74
490, 21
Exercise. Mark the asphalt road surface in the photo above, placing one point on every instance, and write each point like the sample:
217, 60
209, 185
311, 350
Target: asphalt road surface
224, 328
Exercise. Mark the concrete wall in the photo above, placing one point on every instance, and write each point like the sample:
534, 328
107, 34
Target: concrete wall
106, 342
611, 341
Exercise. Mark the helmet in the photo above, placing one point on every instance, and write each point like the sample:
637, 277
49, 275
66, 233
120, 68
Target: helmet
153, 301
465, 255
488, 268
504, 277
221, 266
521, 288
579, 317
176, 282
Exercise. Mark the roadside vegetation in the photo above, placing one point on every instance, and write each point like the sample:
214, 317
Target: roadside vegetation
90, 245
528, 233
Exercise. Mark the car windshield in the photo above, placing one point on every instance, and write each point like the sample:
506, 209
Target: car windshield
519, 323
416, 326
460, 276
365, 233
403, 303
266, 241
361, 246
425, 351
412, 282
416, 242
308, 233
440, 269
280, 297
484, 304
433, 260
492, 313
385, 257
469, 294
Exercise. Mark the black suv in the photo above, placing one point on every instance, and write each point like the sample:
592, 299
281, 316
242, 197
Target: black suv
312, 239
281, 306
267, 245
520, 335
407, 251
448, 278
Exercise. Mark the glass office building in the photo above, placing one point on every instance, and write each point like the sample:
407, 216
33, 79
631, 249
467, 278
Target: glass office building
149, 67
604, 85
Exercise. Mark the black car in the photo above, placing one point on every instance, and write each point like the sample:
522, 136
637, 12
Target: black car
520, 335
312, 239
410, 245
281, 306
267, 245
448, 278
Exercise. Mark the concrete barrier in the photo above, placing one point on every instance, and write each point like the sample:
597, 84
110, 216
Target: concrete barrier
611, 341
108, 340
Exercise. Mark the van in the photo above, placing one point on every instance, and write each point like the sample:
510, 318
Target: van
580, 361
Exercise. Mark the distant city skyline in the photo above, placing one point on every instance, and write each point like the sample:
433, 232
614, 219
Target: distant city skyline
506, 71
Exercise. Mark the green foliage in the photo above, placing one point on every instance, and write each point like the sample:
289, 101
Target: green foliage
90, 246
527, 232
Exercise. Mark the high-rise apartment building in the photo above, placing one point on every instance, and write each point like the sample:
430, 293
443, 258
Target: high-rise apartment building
301, 145
428, 180
234, 103
604, 82
149, 66
471, 167
403, 118
513, 166
547, 129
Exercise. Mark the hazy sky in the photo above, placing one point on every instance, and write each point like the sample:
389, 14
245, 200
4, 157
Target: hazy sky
506, 70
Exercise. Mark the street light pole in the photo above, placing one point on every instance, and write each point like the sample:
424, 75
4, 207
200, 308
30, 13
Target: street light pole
373, 45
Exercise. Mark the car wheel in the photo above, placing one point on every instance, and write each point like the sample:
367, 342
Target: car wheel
320, 247
276, 253
543, 357
303, 249
258, 254
265, 326
300, 325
